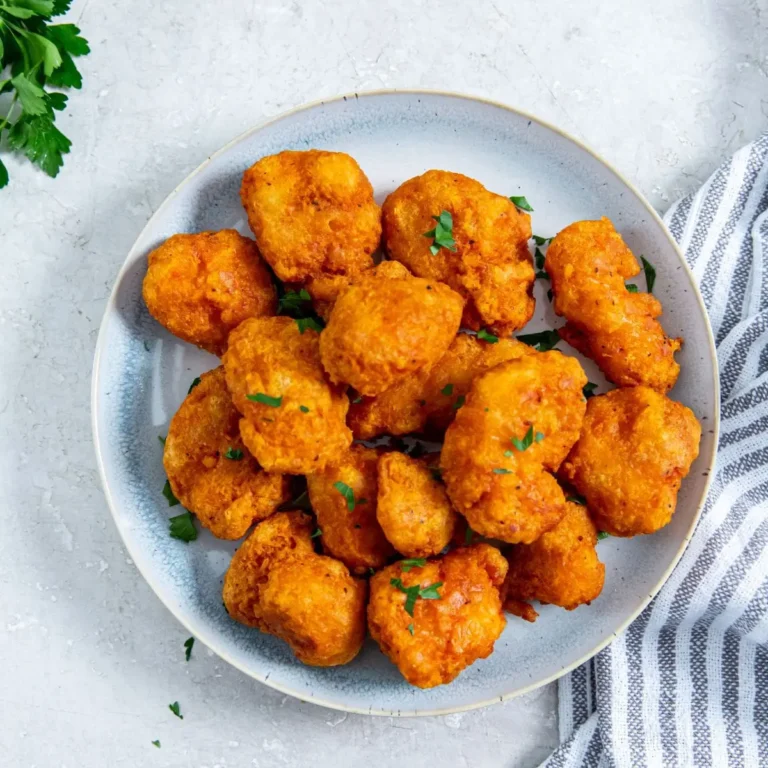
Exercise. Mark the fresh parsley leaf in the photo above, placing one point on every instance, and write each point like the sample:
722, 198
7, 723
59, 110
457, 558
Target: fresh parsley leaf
168, 493
176, 710
156, 742
447, 390
528, 439
430, 592
588, 390
182, 527
67, 38
469, 534
413, 593
501, 471
348, 494
233, 454
161, 439
194, 383
460, 400
304, 409
542, 275
650, 274
3, 170
541, 240
542, 341
631, 288
41, 142
260, 397
318, 532
31, 95
577, 498
442, 234
188, 647
413, 562
410, 628
602, 535
484, 335
521, 203
308, 322
539, 259
294, 301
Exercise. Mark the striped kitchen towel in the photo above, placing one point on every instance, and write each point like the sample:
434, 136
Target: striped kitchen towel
700, 650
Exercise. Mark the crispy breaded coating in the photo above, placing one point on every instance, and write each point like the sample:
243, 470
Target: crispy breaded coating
202, 286
444, 635
313, 216
353, 536
635, 448
317, 608
284, 535
299, 426
518, 423
210, 470
490, 266
427, 398
387, 325
588, 263
413, 508
561, 567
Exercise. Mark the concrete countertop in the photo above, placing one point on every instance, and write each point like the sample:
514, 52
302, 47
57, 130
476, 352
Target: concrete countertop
91, 657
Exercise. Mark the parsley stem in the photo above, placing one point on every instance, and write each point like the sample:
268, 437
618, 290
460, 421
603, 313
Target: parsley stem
8, 116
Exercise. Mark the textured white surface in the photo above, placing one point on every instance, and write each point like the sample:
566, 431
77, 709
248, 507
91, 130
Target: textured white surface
663, 90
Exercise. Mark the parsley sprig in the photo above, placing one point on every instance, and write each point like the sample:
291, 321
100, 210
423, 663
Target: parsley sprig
542, 341
349, 495
35, 55
412, 594
442, 234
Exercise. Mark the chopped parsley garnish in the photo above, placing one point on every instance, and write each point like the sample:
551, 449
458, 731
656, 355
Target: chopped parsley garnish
539, 259
541, 240
156, 742
413, 562
293, 301
602, 535
588, 390
161, 439
542, 275
507, 453
304, 409
468, 536
528, 439
371, 571
168, 493
442, 234
300, 502
260, 397
447, 390
194, 383
349, 495
410, 628
182, 527
460, 400
521, 203
308, 322
188, 647
318, 532
631, 288
484, 335
550, 295
234, 454
501, 471
358, 399
176, 710
415, 592
542, 341
650, 274
577, 499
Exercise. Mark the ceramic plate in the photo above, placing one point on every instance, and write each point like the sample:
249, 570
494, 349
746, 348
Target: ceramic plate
142, 373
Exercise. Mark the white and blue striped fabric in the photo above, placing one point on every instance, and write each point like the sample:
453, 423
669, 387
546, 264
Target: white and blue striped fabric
687, 683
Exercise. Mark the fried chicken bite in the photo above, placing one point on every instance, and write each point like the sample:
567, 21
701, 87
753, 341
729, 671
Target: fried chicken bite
588, 263
412, 507
560, 568
343, 497
314, 217
210, 471
635, 448
519, 421
427, 398
202, 286
435, 621
387, 325
489, 265
278, 584
294, 420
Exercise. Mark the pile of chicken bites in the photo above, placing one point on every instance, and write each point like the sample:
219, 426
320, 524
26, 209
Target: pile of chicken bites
350, 336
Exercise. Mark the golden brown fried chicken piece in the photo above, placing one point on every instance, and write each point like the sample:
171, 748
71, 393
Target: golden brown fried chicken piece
436, 620
429, 396
636, 446
518, 423
490, 266
343, 497
201, 286
413, 508
278, 584
561, 567
387, 325
294, 420
314, 218
588, 263
210, 471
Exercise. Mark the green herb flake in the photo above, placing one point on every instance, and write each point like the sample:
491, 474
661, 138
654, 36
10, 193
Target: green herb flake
437, 473
308, 322
507, 453
156, 742
146, 346
415, 592
602, 535
358, 399
194, 383
233, 454
348, 494
501, 471
318, 532
176, 710
528, 439
442, 234
447, 390
577, 499
410, 628
304, 409
460, 400
182, 527
542, 275
413, 562
188, 647
521, 203
469, 534
631, 288
260, 397
650, 274
541, 240
484, 335
539, 259
550, 295
588, 390
542, 341
161, 439
168, 493
293, 301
